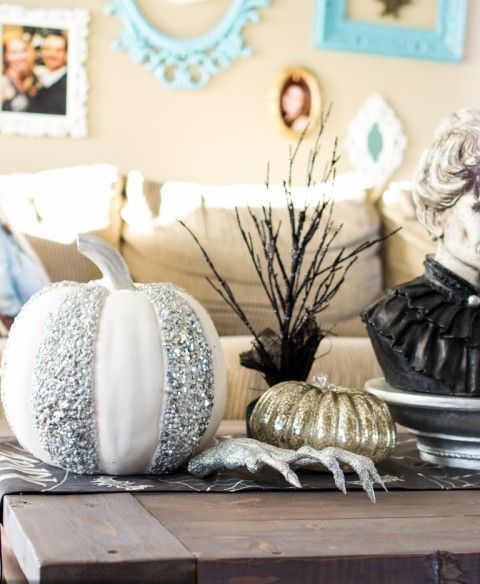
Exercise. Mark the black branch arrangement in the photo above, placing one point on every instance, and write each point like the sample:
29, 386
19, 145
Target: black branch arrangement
298, 293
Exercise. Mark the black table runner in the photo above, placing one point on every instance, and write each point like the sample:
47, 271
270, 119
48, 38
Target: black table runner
21, 472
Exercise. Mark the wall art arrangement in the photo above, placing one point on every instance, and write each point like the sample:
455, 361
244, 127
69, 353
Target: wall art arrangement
376, 141
403, 28
295, 102
185, 63
44, 83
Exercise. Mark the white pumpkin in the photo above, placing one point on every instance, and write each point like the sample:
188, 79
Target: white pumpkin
110, 377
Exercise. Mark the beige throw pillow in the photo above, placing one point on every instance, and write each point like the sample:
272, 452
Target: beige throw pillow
158, 248
403, 253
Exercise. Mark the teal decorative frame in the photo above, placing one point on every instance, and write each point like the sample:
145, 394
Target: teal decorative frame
185, 63
446, 43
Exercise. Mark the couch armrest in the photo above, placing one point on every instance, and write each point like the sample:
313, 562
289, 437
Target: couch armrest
349, 361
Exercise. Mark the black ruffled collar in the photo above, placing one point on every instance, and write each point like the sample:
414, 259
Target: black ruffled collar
433, 324
450, 284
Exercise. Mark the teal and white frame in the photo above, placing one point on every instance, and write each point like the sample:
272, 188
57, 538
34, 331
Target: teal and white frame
185, 63
376, 141
446, 42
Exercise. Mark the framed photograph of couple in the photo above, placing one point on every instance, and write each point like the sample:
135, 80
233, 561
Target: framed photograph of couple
43, 87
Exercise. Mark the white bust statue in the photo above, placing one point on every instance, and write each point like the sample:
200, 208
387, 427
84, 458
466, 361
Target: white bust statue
426, 333
447, 191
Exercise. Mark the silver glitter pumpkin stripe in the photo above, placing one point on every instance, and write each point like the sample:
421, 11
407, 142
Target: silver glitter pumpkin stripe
32, 299
63, 381
189, 381
17, 320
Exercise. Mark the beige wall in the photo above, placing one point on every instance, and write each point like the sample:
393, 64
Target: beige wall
223, 133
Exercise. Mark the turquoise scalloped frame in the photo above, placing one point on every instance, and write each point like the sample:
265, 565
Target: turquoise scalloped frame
445, 43
185, 63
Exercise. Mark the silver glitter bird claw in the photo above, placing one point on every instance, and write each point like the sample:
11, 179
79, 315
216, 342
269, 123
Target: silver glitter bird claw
254, 455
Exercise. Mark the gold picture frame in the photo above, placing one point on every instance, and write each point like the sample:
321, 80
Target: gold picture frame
304, 100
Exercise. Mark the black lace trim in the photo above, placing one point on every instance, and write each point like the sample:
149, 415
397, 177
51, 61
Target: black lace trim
447, 281
429, 323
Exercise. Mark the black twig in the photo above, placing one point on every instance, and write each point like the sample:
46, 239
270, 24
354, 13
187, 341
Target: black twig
297, 294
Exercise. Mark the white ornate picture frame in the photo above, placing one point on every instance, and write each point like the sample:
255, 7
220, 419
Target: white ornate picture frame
55, 102
376, 141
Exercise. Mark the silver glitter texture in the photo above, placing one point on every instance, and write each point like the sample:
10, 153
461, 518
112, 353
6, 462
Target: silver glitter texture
63, 381
17, 320
254, 455
189, 379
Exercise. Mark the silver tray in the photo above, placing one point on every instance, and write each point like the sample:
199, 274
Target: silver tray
447, 428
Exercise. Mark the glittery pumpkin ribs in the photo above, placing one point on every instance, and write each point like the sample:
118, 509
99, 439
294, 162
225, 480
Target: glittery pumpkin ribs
113, 378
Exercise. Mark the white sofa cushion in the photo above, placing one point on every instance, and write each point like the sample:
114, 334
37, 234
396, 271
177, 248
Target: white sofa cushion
52, 207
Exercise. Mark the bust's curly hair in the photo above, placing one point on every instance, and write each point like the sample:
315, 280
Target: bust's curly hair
450, 168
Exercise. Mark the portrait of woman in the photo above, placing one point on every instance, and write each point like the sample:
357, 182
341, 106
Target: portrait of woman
295, 104
19, 85
295, 101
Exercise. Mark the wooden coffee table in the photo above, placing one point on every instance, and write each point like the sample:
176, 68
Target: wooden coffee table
246, 538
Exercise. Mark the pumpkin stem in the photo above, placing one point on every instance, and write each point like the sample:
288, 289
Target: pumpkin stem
322, 381
116, 275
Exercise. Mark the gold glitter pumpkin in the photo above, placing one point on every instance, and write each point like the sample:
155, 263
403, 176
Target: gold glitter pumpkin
292, 413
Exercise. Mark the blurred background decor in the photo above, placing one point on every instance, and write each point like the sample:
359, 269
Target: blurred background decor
376, 141
21, 274
185, 63
44, 85
231, 110
393, 7
422, 30
295, 102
